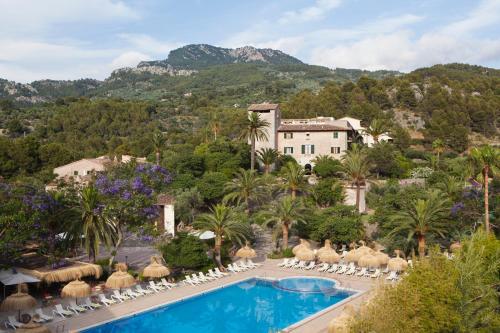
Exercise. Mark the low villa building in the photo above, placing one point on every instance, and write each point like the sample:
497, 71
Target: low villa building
306, 139
80, 171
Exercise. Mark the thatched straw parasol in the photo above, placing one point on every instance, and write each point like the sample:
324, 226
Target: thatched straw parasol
156, 269
340, 323
327, 253
33, 327
75, 271
120, 278
455, 247
305, 254
382, 257
76, 289
303, 245
369, 260
355, 254
397, 264
18, 301
246, 252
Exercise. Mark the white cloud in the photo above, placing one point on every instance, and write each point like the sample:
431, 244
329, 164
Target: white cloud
312, 13
35, 17
129, 59
146, 43
402, 50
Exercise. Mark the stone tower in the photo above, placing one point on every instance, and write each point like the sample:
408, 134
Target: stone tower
270, 113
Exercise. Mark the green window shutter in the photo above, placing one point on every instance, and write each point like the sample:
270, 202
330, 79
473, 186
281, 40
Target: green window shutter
303, 149
312, 149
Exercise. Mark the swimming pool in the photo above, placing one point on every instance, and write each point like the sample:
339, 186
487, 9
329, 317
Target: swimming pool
250, 306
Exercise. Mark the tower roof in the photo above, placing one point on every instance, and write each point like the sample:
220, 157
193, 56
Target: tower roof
263, 107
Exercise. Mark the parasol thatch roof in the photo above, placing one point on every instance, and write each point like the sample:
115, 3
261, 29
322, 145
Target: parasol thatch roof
303, 245
327, 253
76, 270
120, 278
382, 257
397, 264
246, 252
33, 327
76, 289
305, 254
156, 269
355, 254
369, 260
18, 301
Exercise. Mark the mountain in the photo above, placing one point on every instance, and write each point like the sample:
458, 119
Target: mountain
198, 56
231, 76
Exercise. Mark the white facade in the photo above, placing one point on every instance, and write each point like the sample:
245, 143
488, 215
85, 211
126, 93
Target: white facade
81, 168
367, 138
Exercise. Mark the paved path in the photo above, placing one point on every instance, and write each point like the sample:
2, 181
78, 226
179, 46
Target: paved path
269, 269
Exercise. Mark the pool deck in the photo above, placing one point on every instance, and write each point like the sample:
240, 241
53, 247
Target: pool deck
317, 323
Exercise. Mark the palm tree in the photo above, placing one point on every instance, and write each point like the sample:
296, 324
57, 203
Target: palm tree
245, 187
377, 128
356, 167
422, 217
254, 131
438, 147
286, 213
450, 185
294, 178
223, 222
95, 227
487, 159
158, 143
267, 156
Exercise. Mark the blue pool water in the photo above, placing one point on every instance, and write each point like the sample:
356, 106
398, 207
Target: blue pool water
251, 306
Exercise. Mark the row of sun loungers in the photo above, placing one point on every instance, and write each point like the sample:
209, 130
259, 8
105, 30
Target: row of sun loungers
345, 269
74, 309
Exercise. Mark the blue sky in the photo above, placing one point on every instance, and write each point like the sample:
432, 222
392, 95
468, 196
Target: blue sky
70, 39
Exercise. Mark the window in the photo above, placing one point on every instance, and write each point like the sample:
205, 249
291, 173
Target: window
288, 150
288, 135
335, 135
335, 150
75, 172
307, 149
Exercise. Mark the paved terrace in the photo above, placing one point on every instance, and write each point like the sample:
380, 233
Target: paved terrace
318, 323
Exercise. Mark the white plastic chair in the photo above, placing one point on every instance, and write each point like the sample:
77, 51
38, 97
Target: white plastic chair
60, 311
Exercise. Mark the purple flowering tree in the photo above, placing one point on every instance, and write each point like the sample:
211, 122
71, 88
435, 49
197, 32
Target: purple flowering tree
129, 197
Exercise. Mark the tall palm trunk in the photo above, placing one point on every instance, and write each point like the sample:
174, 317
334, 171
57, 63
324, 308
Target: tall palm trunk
252, 153
486, 200
358, 195
421, 245
157, 157
284, 229
218, 246
266, 168
294, 193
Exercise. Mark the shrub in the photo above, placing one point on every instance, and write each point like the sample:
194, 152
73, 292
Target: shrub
186, 252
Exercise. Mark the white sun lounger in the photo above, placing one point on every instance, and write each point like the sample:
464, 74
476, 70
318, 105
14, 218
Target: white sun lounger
343, 269
300, 265
119, 297
132, 294
351, 271
323, 267
201, 277
106, 301
75, 307
362, 272
154, 287
88, 304
167, 284
243, 266
187, 280
205, 277
333, 268
376, 274
60, 311
218, 271
393, 276
214, 275
42, 315
12, 323
311, 265
233, 269
139, 289
292, 263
